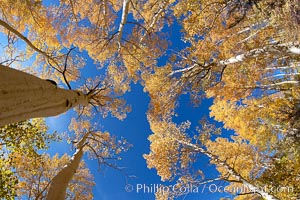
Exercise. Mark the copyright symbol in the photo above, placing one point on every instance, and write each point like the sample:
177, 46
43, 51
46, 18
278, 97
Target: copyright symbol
128, 188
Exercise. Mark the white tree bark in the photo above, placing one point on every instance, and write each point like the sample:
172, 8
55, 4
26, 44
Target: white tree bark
230, 170
155, 19
59, 183
24, 96
287, 48
123, 21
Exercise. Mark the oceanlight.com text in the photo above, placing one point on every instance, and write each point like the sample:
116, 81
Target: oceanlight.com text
140, 188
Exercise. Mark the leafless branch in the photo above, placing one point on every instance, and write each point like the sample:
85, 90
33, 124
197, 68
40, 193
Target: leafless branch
65, 68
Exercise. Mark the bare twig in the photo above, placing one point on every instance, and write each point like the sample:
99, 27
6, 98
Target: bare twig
65, 68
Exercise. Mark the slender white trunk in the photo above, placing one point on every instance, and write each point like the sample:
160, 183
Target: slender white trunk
22, 37
294, 50
123, 21
249, 37
236, 59
183, 70
287, 48
246, 30
155, 20
280, 68
24, 96
279, 84
59, 183
230, 170
281, 75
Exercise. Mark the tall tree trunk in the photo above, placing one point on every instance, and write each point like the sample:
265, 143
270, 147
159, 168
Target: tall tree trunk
123, 21
230, 170
24, 96
59, 184
291, 49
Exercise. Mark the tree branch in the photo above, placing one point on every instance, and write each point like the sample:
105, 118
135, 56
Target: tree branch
48, 57
65, 68
22, 37
155, 19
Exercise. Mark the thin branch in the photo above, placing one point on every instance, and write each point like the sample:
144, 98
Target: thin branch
65, 68
73, 10
81, 112
137, 11
10, 61
155, 19
22, 37
221, 76
140, 25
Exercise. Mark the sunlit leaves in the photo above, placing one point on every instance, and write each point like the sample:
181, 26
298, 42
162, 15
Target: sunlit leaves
236, 52
8, 180
238, 154
238, 56
27, 136
35, 176
167, 155
24, 139
163, 92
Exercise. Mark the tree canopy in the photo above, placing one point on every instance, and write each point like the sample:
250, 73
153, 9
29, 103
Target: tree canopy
243, 55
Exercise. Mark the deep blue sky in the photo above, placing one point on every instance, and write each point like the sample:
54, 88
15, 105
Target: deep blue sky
110, 183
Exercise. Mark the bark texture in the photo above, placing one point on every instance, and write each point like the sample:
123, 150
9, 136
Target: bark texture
59, 184
24, 96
